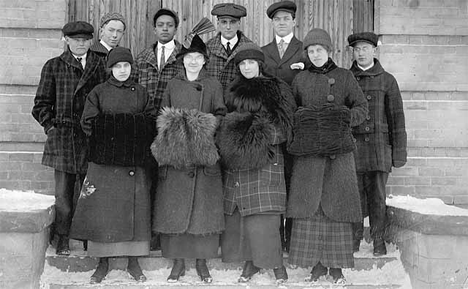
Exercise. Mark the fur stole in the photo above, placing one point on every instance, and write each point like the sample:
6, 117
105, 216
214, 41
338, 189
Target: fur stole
121, 139
244, 141
185, 138
269, 97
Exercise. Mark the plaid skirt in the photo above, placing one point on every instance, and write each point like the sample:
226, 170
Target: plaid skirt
320, 239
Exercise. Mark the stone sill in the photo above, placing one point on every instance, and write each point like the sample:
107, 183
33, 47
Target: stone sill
26, 222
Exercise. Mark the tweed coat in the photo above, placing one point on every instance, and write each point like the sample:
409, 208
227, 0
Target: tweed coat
147, 73
114, 203
259, 190
328, 181
190, 200
221, 65
59, 103
381, 139
281, 67
99, 49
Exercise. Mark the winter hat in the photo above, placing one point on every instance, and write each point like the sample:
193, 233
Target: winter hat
119, 54
197, 45
112, 16
193, 42
249, 51
317, 36
368, 37
166, 11
78, 29
286, 6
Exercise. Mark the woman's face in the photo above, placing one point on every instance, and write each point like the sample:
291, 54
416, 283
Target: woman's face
121, 70
249, 68
318, 55
193, 62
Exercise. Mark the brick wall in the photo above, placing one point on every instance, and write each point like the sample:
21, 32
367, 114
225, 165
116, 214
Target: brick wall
30, 34
425, 46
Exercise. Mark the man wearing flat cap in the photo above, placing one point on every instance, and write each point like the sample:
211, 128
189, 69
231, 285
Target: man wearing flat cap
65, 82
225, 45
283, 58
381, 139
111, 31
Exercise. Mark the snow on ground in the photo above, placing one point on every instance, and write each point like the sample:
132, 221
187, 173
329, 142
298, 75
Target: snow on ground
429, 206
22, 201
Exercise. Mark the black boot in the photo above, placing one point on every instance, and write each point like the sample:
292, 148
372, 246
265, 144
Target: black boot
280, 274
318, 271
178, 270
249, 270
379, 247
337, 276
202, 271
101, 271
134, 269
63, 246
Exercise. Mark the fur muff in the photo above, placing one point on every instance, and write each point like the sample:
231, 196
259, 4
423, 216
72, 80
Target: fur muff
244, 141
121, 139
185, 138
322, 131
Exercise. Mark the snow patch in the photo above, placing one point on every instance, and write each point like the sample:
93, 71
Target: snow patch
20, 201
429, 206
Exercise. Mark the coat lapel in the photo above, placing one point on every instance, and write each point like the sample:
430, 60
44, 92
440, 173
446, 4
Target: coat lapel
92, 61
272, 50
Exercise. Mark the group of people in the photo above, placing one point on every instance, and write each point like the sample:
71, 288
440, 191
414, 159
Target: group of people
220, 144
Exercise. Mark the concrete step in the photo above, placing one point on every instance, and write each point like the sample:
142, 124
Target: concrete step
75, 270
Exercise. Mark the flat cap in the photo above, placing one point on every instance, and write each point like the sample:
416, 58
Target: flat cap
369, 37
78, 29
166, 11
112, 16
229, 9
286, 6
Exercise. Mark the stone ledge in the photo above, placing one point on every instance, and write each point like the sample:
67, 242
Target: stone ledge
26, 222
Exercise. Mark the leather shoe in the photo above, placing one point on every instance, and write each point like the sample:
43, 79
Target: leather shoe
318, 271
101, 271
249, 270
63, 246
356, 245
280, 274
178, 270
337, 276
379, 247
134, 269
202, 271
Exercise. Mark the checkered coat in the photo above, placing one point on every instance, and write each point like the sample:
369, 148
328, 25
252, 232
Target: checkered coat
147, 73
255, 191
381, 139
221, 65
59, 103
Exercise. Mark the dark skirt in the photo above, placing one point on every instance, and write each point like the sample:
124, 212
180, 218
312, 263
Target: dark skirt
252, 238
320, 239
187, 246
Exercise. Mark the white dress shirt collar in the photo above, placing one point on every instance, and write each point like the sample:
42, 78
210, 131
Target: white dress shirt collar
287, 38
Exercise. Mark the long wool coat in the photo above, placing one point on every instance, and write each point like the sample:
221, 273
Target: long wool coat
114, 204
190, 200
222, 65
329, 181
381, 139
281, 67
147, 73
262, 189
59, 103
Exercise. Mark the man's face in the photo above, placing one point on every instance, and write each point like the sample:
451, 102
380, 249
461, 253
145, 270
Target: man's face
78, 46
112, 32
363, 53
228, 26
165, 28
283, 23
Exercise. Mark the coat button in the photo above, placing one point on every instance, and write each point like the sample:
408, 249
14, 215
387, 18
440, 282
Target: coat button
331, 81
366, 139
131, 173
330, 98
191, 174
369, 97
368, 117
236, 184
332, 157
358, 78
133, 88
367, 128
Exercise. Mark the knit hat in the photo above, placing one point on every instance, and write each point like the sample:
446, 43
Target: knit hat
249, 51
78, 29
317, 36
119, 54
368, 37
112, 16
166, 11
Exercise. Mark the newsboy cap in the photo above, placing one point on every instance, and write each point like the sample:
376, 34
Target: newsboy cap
368, 37
286, 6
229, 9
166, 11
112, 16
78, 29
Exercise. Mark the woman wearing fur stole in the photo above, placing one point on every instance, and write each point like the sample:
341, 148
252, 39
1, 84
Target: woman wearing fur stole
324, 198
113, 210
188, 211
259, 119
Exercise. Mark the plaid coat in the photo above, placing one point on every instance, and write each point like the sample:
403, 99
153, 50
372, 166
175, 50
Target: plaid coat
381, 138
221, 65
59, 103
146, 72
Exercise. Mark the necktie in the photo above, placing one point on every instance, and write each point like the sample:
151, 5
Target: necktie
162, 60
281, 48
81, 63
228, 48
